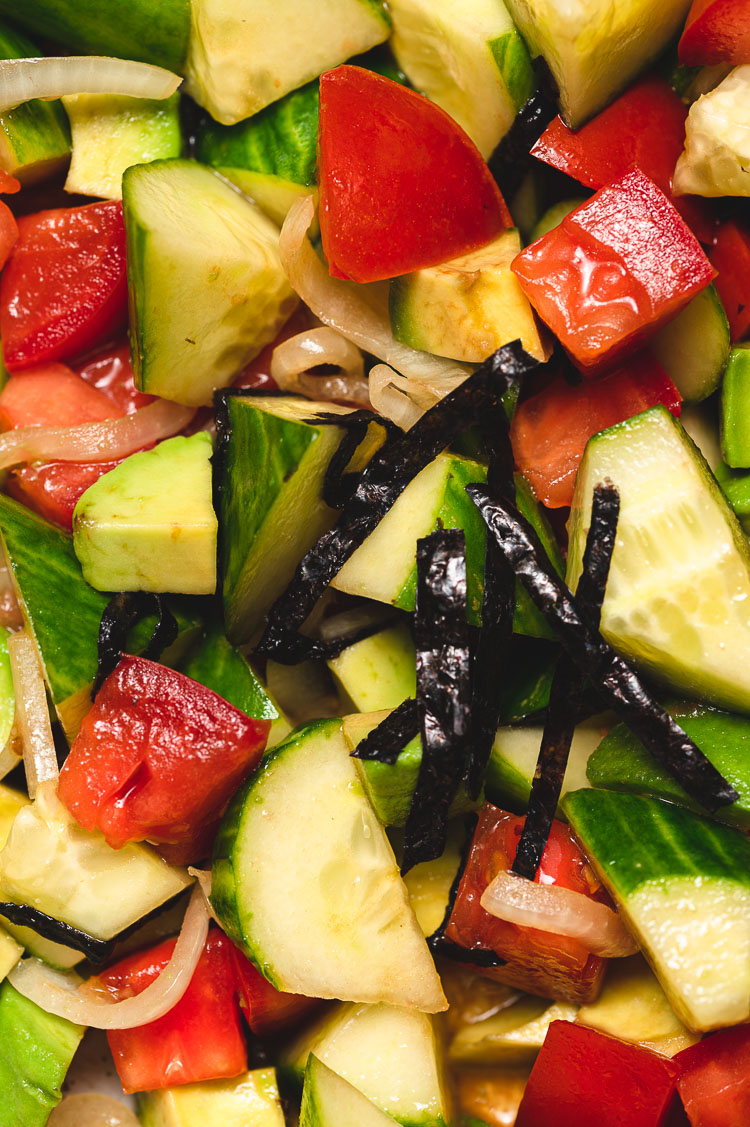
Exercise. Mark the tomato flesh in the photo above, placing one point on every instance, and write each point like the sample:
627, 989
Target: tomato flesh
266, 1009
716, 31
401, 184
730, 255
158, 757
52, 396
110, 372
714, 1080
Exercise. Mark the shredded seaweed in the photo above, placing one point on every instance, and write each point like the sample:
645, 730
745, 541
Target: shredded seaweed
567, 689
120, 615
338, 486
385, 743
618, 686
95, 950
441, 638
382, 481
512, 158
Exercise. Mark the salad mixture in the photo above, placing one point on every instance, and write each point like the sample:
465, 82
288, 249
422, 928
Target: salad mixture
374, 610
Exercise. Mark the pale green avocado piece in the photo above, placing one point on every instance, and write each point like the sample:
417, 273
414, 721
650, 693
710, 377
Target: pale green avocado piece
694, 346
379, 671
467, 56
37, 1050
429, 883
273, 194
248, 1100
245, 54
594, 48
468, 307
110, 132
206, 286
513, 761
149, 524
330, 1101
510, 1038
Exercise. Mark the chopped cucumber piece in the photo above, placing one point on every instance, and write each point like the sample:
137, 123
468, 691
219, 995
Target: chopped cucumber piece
694, 347
35, 136
716, 158
735, 410
513, 762
7, 692
305, 880
248, 1100
679, 582
510, 1038
330, 1101
682, 884
378, 672
273, 195
429, 883
200, 307
554, 216
222, 668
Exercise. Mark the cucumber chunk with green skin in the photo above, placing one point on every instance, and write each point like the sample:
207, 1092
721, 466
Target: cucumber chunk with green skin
683, 886
248, 1100
37, 1050
679, 583
694, 347
200, 307
272, 194
243, 57
110, 132
330, 1101
35, 136
7, 692
272, 462
526, 686
622, 763
393, 1056
513, 761
304, 879
62, 612
469, 58
377, 672
127, 29
222, 668
735, 410
735, 485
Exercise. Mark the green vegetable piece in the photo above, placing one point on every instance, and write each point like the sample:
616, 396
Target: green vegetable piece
735, 485
378, 672
735, 410
272, 194
222, 668
37, 1050
149, 524
248, 1100
510, 1038
694, 346
35, 136
7, 694
429, 883
330, 1101
554, 216
525, 689
513, 762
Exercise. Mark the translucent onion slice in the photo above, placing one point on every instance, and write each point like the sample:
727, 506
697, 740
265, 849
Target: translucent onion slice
403, 399
92, 1109
24, 79
352, 310
292, 359
548, 907
95, 442
57, 992
32, 714
9, 757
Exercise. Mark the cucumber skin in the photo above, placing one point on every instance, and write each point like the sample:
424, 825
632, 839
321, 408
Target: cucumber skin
145, 30
37, 132
220, 667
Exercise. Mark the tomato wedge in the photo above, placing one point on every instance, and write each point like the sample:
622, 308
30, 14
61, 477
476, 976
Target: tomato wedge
52, 396
266, 1009
716, 31
401, 184
714, 1080
730, 255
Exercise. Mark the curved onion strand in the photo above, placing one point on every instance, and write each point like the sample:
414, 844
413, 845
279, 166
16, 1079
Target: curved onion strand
57, 992
92, 1109
549, 907
404, 400
54, 76
95, 442
32, 714
292, 359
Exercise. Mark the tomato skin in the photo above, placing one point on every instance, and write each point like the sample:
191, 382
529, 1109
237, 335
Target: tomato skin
714, 1080
583, 1078
550, 430
158, 757
716, 31
53, 489
63, 289
201, 1038
554, 966
401, 184
110, 372
266, 1009
614, 271
730, 255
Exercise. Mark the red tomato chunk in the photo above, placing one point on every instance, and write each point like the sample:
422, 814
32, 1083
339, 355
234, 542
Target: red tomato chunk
157, 758
730, 255
266, 1009
714, 1081
717, 31
554, 966
616, 268
401, 185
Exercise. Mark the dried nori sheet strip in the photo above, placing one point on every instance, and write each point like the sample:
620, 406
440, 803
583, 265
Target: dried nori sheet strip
616, 683
512, 158
382, 481
120, 615
441, 638
567, 688
385, 743
338, 487
95, 950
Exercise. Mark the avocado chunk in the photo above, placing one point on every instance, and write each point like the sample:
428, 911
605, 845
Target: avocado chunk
272, 194
248, 1100
379, 671
35, 136
330, 1101
149, 524
37, 1050
510, 1038
110, 132
245, 54
467, 56
468, 307
206, 287
429, 883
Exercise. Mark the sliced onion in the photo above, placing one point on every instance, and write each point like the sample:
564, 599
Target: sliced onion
58, 992
403, 399
549, 907
92, 1109
9, 757
55, 76
32, 714
292, 359
95, 442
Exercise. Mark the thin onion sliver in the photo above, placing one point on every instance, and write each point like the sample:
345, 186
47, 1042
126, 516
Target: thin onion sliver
92, 1109
293, 358
55, 76
32, 714
59, 993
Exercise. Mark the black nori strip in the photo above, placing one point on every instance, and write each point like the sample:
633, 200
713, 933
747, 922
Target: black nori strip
512, 158
441, 638
95, 950
613, 679
119, 617
567, 689
338, 487
382, 481
385, 743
